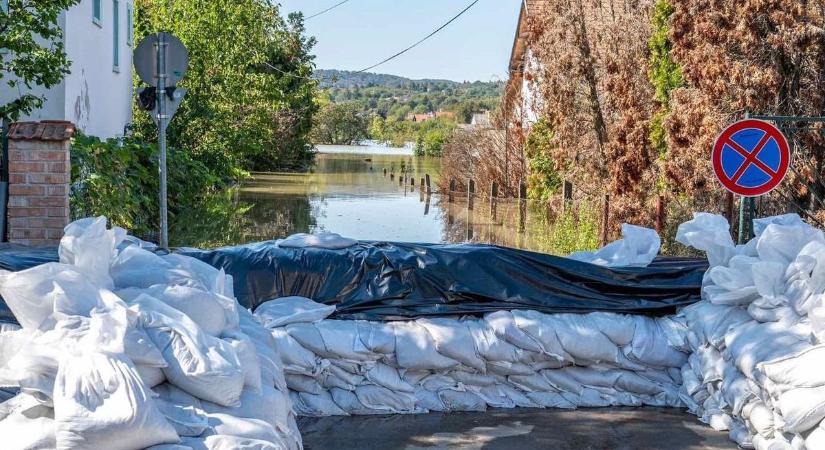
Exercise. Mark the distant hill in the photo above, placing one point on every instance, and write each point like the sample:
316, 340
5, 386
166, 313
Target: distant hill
349, 79
394, 97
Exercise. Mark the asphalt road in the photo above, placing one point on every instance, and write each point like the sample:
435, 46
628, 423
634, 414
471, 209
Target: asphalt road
519, 429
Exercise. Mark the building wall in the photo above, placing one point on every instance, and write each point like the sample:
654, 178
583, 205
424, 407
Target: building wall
532, 100
94, 96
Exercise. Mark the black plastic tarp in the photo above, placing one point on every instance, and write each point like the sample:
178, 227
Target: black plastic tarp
388, 281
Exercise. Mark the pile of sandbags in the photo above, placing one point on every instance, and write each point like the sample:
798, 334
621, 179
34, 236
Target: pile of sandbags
505, 359
757, 366
123, 348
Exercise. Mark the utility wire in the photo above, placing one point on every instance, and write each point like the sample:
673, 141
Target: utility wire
326, 10
422, 40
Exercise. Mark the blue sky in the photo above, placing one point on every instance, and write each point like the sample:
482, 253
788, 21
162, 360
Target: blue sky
360, 33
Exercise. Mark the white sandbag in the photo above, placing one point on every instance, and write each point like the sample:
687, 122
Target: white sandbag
100, 402
582, 339
709, 233
136, 267
313, 405
181, 410
489, 346
415, 349
384, 375
335, 376
204, 276
90, 247
619, 328
378, 337
760, 418
286, 310
269, 405
201, 365
562, 380
296, 358
383, 399
26, 424
711, 323
272, 373
247, 357
226, 424
505, 327
494, 397
349, 402
44, 294
753, 342
310, 338
531, 326
637, 247
462, 401
201, 306
781, 243
518, 397
802, 409
329, 241
224, 442
151, 376
453, 340
303, 383
651, 347
341, 340
551, 400
803, 369
816, 438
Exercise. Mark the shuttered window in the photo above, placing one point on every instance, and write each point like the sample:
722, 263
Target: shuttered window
116, 35
97, 12
130, 26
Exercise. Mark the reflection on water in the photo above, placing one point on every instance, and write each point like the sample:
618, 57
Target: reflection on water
361, 196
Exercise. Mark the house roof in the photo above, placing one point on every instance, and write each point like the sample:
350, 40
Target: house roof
529, 8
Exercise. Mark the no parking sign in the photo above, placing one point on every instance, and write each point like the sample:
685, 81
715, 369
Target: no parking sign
751, 157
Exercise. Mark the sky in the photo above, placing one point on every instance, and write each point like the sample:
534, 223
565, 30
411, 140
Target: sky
360, 33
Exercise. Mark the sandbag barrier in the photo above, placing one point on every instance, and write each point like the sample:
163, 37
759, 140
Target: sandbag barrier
129, 350
124, 348
503, 360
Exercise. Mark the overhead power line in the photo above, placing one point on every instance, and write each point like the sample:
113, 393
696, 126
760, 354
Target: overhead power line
423, 39
326, 10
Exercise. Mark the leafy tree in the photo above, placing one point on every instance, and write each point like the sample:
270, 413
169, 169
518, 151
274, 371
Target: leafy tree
665, 75
29, 31
340, 124
251, 96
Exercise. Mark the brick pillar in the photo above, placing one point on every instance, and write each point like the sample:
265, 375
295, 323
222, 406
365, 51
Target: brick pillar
39, 177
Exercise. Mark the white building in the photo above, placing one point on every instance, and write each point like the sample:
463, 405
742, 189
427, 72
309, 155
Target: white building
96, 96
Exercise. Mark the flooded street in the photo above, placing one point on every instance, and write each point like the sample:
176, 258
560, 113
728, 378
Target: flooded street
348, 192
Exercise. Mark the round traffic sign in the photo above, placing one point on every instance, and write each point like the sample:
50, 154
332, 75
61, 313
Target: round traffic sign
145, 59
751, 157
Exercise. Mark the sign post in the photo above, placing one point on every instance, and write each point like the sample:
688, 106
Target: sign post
750, 158
161, 61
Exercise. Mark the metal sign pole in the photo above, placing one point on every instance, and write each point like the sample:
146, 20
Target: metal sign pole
162, 122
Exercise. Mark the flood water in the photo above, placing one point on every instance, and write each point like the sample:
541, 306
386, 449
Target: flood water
348, 192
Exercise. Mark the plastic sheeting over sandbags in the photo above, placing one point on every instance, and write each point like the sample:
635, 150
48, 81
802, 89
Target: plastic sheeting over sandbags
330, 241
505, 359
388, 281
85, 358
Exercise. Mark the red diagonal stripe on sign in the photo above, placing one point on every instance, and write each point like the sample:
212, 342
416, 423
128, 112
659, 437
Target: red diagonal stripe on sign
750, 157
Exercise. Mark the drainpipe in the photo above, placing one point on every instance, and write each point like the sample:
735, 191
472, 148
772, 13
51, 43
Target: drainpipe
4, 179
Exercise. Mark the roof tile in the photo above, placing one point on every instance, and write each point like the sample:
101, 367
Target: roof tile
47, 130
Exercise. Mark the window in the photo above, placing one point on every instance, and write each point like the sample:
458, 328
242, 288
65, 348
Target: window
116, 35
97, 12
130, 26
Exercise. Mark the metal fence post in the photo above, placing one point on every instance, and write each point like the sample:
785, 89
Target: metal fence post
471, 191
605, 218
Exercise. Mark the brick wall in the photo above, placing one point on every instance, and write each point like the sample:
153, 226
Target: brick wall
39, 177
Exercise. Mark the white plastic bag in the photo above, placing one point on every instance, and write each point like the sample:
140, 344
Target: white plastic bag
89, 246
286, 310
637, 247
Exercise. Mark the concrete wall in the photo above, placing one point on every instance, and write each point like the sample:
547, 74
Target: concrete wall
94, 96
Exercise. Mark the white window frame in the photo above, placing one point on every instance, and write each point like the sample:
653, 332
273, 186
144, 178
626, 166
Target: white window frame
116, 36
97, 19
130, 25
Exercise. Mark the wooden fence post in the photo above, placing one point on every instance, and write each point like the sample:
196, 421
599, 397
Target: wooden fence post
522, 207
493, 199
450, 198
566, 195
605, 218
471, 192
427, 181
385, 171
660, 215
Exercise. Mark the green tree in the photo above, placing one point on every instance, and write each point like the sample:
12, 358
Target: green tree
29, 31
664, 73
251, 96
340, 124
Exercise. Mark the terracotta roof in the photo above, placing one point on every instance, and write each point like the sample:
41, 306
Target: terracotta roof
47, 130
